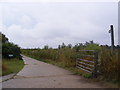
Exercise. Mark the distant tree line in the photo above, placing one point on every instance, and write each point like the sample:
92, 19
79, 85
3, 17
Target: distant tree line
9, 50
91, 45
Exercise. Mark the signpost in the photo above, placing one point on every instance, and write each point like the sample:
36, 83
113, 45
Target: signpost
112, 38
10, 55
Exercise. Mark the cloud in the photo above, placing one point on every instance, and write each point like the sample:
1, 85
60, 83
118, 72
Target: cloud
59, 1
25, 21
38, 24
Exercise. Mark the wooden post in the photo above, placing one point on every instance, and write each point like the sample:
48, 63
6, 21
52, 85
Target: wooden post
76, 62
95, 64
112, 38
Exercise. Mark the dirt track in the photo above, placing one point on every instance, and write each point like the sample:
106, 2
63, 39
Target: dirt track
36, 74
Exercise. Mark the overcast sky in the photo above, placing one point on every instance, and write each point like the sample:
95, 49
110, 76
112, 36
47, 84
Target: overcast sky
37, 24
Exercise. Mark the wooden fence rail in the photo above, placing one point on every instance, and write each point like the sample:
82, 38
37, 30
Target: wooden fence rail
88, 65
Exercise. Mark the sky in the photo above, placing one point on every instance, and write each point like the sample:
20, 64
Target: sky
35, 24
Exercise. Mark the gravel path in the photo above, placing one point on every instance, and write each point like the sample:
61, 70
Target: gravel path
36, 74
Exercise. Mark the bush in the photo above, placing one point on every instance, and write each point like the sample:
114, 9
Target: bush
93, 47
9, 50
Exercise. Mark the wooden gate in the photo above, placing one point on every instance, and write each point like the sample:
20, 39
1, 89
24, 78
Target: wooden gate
87, 61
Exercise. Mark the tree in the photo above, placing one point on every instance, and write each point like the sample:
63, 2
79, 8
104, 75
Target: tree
4, 38
59, 47
46, 47
69, 46
63, 45
93, 46
90, 42
9, 48
77, 47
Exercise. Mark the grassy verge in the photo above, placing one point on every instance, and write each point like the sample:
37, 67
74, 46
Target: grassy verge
11, 66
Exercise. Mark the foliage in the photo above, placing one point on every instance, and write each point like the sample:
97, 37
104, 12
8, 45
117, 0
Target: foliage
87, 75
3, 38
46, 47
93, 47
65, 56
110, 65
9, 48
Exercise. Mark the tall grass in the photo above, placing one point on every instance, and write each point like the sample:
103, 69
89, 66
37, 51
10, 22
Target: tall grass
110, 64
66, 57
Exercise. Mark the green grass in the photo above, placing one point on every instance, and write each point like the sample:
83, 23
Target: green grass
11, 66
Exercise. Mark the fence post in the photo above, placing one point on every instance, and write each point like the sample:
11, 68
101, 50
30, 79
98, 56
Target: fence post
112, 38
95, 64
76, 60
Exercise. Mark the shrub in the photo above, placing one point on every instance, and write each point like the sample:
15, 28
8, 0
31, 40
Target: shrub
9, 48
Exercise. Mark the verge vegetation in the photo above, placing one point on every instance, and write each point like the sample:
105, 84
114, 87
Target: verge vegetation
11, 59
11, 66
65, 57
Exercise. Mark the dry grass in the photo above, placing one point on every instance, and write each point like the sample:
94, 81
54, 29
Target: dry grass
66, 58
